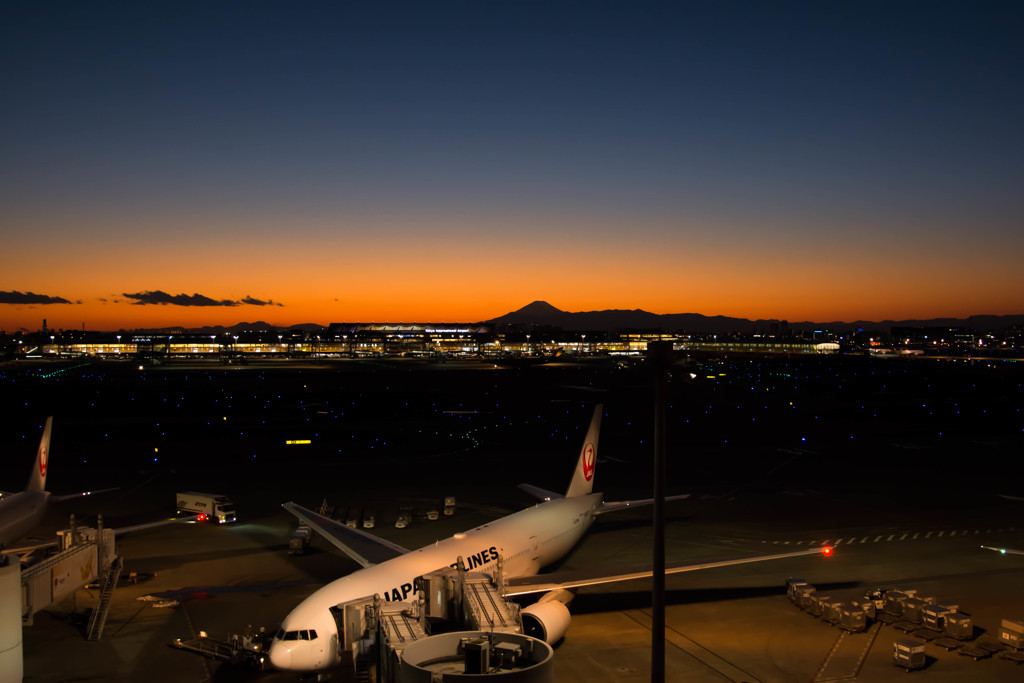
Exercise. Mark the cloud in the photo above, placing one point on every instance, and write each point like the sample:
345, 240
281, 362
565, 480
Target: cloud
257, 302
30, 298
163, 298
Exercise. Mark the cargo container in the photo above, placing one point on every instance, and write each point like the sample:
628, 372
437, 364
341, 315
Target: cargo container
908, 653
894, 601
912, 609
868, 605
852, 617
934, 616
804, 594
959, 625
299, 540
816, 604
1011, 632
830, 609
791, 589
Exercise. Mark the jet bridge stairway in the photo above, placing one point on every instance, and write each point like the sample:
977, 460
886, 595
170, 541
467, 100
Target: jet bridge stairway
98, 620
486, 609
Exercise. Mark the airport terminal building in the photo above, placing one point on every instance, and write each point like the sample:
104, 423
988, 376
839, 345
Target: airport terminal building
432, 340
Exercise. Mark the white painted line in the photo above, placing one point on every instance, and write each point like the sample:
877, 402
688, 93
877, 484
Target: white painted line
878, 538
916, 533
864, 540
940, 533
891, 536
928, 535
901, 538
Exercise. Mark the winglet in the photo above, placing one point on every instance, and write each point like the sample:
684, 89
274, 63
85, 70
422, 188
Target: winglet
37, 481
583, 479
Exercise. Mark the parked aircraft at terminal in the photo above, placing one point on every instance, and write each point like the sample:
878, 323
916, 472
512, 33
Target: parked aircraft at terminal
526, 541
21, 511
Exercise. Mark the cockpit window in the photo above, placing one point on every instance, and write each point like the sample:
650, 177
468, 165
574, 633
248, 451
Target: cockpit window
295, 635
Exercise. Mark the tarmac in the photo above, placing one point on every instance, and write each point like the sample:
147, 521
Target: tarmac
729, 624
898, 465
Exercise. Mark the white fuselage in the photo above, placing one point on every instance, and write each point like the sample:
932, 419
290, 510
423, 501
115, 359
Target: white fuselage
20, 513
526, 541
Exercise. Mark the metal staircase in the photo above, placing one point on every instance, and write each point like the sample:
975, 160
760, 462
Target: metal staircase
94, 631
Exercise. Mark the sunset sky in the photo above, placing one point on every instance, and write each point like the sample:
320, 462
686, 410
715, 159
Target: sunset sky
453, 161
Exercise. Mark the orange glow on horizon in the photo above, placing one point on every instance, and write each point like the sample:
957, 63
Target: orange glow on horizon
445, 268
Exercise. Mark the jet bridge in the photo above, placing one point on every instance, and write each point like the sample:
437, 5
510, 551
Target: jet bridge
85, 555
388, 641
375, 635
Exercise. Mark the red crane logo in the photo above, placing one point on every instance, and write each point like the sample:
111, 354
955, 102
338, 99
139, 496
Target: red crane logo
588, 461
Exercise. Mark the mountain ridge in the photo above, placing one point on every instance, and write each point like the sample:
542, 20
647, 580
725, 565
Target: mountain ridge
543, 313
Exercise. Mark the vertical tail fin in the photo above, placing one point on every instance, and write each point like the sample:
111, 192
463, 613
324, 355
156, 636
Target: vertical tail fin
37, 482
583, 479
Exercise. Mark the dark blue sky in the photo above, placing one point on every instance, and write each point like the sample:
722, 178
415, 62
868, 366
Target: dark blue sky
687, 126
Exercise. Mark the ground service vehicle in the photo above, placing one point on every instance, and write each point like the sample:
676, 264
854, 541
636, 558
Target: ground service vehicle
213, 505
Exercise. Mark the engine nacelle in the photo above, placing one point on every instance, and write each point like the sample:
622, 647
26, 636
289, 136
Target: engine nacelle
546, 620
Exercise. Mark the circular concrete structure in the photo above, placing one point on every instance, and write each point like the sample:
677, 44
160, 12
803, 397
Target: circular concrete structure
478, 655
10, 619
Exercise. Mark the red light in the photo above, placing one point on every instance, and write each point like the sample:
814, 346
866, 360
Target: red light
827, 550
202, 517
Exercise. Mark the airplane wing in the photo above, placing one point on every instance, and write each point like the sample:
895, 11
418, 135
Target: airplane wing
1004, 551
70, 496
594, 576
153, 525
364, 548
117, 531
622, 505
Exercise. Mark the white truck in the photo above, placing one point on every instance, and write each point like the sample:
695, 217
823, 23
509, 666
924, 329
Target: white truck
213, 505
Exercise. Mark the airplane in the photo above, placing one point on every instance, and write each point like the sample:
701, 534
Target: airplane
526, 542
20, 512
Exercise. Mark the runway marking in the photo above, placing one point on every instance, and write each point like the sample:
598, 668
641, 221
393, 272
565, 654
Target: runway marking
903, 536
852, 640
707, 657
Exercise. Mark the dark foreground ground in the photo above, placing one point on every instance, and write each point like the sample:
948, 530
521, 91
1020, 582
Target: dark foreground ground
779, 453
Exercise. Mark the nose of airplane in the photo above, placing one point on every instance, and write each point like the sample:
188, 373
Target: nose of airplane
280, 655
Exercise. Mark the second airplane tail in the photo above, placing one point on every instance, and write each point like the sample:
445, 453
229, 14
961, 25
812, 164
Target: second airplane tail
583, 479
37, 481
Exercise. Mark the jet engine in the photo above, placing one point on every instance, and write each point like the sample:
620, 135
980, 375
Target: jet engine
547, 620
